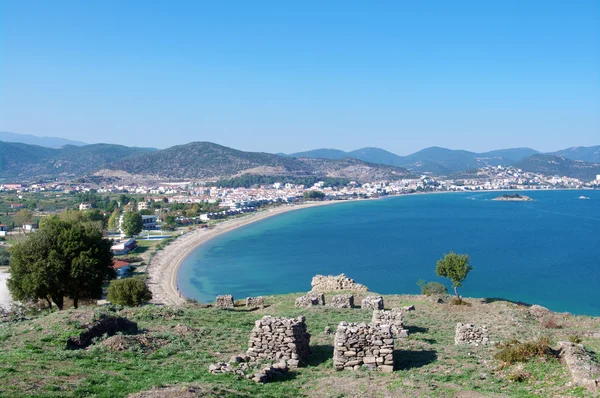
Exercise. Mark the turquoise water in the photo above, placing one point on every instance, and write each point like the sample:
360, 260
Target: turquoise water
545, 252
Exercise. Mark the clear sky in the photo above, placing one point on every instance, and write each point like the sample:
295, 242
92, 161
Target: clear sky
285, 76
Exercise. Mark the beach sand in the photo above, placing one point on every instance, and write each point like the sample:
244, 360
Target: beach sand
5, 299
162, 270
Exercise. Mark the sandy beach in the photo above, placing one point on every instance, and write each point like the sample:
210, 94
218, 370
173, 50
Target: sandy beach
162, 270
5, 299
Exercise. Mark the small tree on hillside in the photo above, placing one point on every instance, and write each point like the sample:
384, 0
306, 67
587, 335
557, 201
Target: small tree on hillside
113, 220
23, 217
130, 292
454, 267
132, 223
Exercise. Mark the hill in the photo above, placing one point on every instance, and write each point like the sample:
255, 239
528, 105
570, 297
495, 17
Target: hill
24, 161
49, 142
176, 345
433, 160
208, 160
560, 166
587, 154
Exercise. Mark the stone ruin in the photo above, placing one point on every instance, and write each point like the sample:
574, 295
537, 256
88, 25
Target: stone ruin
359, 344
279, 339
342, 301
467, 333
372, 303
310, 299
393, 318
584, 370
322, 283
224, 302
245, 369
255, 302
108, 325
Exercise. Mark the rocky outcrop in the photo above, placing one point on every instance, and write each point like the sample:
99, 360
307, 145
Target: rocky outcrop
312, 298
342, 301
372, 303
360, 344
224, 302
322, 283
467, 333
280, 339
105, 325
393, 318
584, 370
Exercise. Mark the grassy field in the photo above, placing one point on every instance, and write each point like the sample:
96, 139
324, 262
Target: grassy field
34, 362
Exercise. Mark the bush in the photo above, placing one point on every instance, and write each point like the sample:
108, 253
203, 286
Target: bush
429, 288
130, 292
459, 301
514, 351
575, 339
551, 323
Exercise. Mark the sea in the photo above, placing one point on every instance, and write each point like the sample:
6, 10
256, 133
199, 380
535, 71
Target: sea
544, 252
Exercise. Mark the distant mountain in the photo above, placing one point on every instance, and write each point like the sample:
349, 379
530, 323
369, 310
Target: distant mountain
23, 161
208, 160
560, 166
587, 154
49, 142
433, 160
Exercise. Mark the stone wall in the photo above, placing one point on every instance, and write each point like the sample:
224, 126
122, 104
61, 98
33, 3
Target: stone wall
342, 301
393, 318
312, 298
322, 283
276, 338
255, 302
471, 334
372, 303
359, 344
224, 302
584, 370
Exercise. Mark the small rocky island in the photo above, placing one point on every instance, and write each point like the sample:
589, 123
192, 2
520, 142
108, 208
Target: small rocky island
514, 198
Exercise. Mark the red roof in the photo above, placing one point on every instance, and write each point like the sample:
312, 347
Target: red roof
118, 264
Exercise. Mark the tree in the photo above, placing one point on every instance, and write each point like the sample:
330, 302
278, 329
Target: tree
132, 223
113, 220
63, 259
454, 267
129, 291
169, 224
429, 288
314, 195
23, 217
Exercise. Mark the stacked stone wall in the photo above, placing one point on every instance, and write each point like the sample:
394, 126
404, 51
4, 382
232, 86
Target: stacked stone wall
467, 333
393, 318
224, 302
342, 301
255, 302
276, 339
312, 298
372, 303
322, 283
360, 344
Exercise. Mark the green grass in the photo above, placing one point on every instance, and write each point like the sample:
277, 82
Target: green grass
34, 361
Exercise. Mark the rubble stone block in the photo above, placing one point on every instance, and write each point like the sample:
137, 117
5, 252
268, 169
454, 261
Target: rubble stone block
467, 333
393, 318
310, 300
372, 303
224, 302
276, 338
255, 302
342, 301
329, 283
361, 344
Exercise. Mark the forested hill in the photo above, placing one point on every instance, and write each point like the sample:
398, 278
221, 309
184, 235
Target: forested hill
560, 166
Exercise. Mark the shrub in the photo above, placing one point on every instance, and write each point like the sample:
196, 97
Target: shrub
514, 351
575, 339
429, 288
518, 374
130, 292
459, 301
551, 323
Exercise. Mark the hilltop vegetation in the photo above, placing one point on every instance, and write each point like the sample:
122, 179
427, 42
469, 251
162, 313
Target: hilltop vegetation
176, 345
561, 166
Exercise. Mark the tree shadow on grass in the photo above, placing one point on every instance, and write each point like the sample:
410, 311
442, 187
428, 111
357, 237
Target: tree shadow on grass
290, 375
489, 300
416, 329
407, 359
320, 354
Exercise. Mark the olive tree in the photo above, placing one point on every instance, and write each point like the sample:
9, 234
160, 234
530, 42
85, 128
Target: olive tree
132, 223
454, 267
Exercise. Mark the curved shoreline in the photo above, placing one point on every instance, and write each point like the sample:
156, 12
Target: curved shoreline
164, 265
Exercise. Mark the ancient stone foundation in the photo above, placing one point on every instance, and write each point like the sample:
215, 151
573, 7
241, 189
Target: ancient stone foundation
359, 344
372, 303
393, 318
224, 302
280, 339
342, 301
255, 302
471, 334
322, 283
310, 299
584, 370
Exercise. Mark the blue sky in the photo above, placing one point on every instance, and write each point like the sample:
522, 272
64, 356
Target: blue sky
286, 76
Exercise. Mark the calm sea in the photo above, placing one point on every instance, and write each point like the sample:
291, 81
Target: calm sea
545, 252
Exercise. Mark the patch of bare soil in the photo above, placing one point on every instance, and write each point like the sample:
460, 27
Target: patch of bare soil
186, 392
